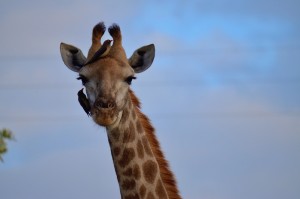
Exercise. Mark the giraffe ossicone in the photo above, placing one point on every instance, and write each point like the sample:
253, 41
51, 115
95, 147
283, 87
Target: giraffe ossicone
106, 73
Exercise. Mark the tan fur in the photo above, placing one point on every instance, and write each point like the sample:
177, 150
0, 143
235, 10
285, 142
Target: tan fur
166, 174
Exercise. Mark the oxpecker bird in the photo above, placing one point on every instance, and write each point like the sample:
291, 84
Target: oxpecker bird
103, 51
84, 102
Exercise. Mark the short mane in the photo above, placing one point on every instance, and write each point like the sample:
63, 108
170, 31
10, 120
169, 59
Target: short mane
166, 174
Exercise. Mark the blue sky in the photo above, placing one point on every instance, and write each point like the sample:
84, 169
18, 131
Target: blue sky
226, 76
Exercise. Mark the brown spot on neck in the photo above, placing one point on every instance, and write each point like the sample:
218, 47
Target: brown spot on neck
142, 191
133, 172
136, 172
150, 171
127, 156
140, 149
128, 172
115, 134
116, 151
129, 135
128, 184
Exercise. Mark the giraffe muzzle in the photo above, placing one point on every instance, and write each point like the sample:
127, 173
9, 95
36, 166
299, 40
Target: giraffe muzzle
104, 112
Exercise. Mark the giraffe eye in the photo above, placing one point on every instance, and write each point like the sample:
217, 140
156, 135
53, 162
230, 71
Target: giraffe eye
83, 79
129, 79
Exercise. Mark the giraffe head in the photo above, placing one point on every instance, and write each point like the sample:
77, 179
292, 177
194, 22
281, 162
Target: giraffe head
107, 73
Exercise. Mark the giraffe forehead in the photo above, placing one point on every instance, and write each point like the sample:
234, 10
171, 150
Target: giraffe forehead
107, 67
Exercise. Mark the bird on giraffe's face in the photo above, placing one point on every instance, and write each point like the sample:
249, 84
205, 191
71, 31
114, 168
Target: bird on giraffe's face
84, 102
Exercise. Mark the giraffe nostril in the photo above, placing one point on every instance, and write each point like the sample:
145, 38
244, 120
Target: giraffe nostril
104, 104
110, 105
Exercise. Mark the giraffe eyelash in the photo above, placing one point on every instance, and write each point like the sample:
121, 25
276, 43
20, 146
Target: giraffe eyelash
129, 79
83, 79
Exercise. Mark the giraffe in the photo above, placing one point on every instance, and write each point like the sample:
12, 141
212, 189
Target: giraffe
141, 168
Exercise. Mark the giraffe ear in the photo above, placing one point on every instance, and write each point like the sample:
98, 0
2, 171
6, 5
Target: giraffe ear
142, 58
72, 57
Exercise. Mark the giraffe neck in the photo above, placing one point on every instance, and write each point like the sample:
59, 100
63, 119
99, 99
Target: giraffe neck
136, 166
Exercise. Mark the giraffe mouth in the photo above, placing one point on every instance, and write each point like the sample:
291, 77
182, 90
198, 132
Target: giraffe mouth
104, 116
